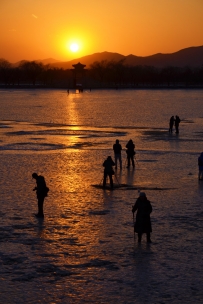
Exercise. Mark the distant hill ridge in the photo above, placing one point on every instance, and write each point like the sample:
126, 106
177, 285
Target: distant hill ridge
192, 57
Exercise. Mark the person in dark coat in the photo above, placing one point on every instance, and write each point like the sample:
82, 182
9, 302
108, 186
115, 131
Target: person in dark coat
171, 124
143, 221
130, 153
117, 153
108, 170
41, 191
177, 122
200, 164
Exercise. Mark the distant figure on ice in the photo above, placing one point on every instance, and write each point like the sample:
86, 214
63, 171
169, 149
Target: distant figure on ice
117, 153
143, 222
200, 164
171, 124
108, 170
41, 190
130, 153
177, 122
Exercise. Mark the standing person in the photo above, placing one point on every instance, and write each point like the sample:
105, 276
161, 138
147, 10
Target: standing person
143, 221
130, 153
41, 190
177, 122
171, 124
117, 153
200, 164
108, 171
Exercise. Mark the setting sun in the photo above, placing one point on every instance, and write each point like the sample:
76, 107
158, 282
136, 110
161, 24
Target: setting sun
74, 47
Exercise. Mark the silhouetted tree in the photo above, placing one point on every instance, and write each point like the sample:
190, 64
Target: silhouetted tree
31, 70
5, 69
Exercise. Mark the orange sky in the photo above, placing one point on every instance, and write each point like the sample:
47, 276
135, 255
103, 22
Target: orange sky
40, 29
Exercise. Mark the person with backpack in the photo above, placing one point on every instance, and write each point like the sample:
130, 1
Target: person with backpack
108, 171
117, 153
41, 191
143, 222
130, 153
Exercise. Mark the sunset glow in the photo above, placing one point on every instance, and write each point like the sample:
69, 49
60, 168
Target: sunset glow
31, 30
74, 47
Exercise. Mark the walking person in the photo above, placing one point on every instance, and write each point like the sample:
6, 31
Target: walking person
171, 124
200, 164
143, 221
117, 153
177, 122
108, 171
130, 153
41, 191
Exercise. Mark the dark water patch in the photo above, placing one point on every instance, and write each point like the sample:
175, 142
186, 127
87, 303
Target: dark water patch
116, 186
37, 138
148, 160
16, 218
99, 212
12, 260
95, 263
187, 121
133, 187
68, 132
140, 188
30, 146
52, 270
22, 227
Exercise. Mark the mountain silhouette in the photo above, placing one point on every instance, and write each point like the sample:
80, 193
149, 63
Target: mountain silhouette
191, 57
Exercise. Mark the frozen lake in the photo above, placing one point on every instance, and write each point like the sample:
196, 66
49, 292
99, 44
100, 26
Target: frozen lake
84, 250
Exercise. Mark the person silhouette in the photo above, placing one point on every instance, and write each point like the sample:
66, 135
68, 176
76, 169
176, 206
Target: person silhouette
108, 170
171, 124
130, 153
143, 221
177, 122
41, 191
200, 164
117, 153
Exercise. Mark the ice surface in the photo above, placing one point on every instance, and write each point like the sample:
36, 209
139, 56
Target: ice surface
84, 250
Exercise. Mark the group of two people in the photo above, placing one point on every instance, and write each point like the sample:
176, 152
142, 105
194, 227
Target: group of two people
174, 121
109, 163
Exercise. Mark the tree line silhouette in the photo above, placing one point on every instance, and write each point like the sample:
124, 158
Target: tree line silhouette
103, 74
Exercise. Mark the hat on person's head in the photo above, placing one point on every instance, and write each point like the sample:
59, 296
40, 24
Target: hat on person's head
142, 194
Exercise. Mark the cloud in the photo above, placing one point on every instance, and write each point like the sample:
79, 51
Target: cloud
34, 16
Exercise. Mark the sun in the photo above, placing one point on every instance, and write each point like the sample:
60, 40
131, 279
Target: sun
74, 47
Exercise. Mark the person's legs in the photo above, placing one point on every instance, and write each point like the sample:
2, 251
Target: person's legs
104, 180
40, 206
111, 180
132, 160
128, 157
116, 160
120, 160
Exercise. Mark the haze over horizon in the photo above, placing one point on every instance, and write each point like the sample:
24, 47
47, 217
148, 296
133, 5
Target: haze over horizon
32, 30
